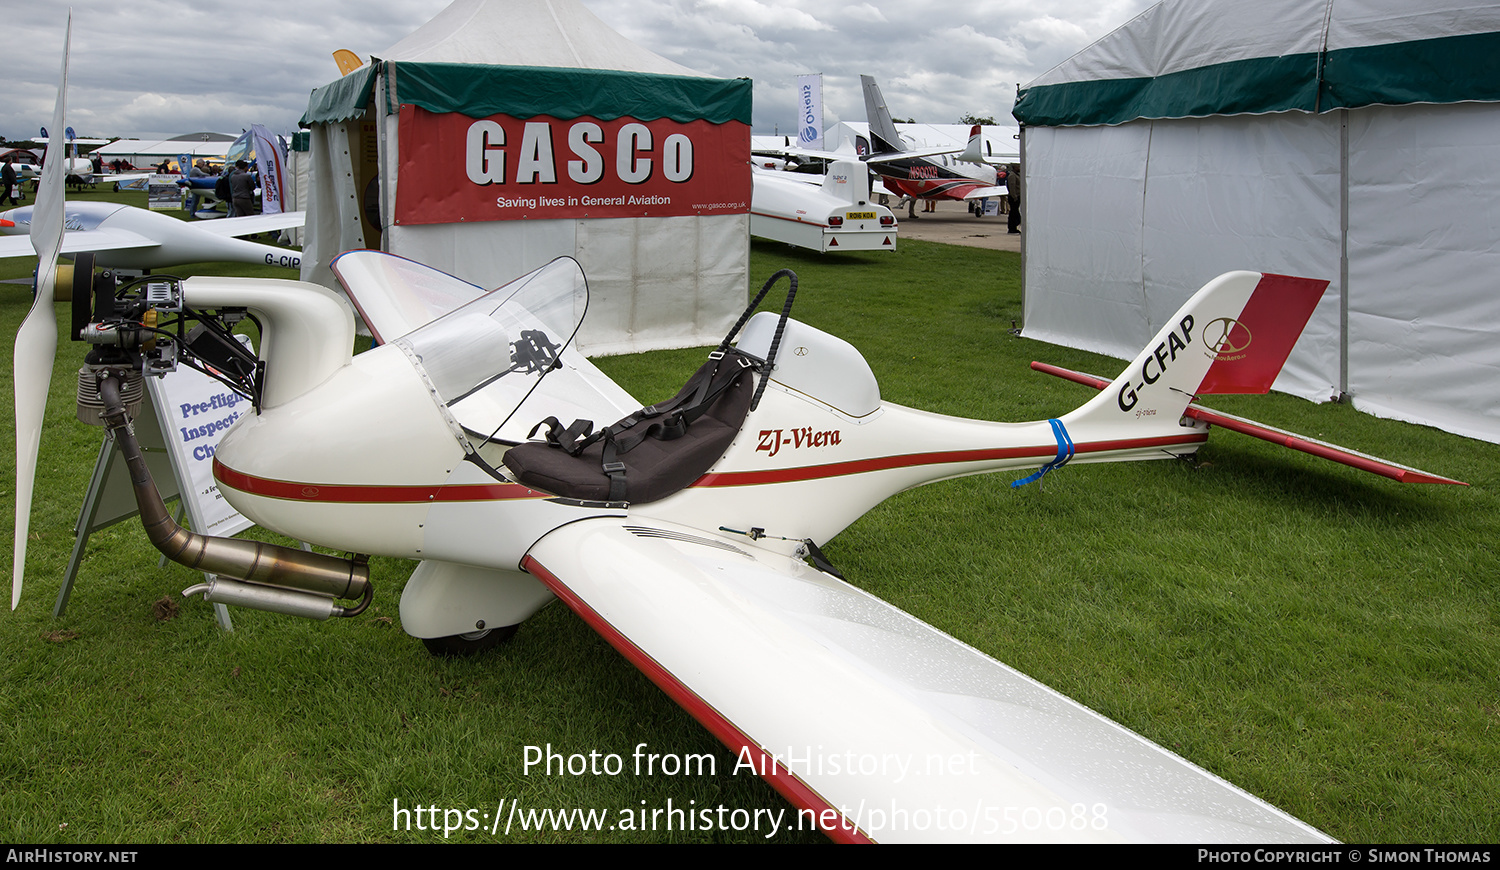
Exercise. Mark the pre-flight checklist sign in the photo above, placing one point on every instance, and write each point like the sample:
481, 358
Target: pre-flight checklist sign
179, 427
574, 144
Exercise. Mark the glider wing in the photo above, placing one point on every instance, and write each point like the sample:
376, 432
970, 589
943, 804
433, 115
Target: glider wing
79, 241
251, 224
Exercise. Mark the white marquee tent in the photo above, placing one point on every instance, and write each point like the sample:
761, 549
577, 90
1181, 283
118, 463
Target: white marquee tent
655, 281
1353, 140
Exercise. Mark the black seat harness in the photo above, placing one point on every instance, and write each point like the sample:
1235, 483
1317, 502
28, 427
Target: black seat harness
672, 419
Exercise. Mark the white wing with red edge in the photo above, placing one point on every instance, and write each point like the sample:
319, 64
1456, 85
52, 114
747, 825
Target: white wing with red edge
869, 719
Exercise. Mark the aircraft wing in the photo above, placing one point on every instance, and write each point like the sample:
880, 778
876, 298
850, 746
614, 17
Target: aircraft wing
120, 177
79, 241
893, 156
985, 192
254, 223
874, 723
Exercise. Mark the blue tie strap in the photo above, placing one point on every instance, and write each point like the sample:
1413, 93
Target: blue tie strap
1064, 453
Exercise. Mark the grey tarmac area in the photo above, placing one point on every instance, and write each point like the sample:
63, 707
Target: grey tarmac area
953, 225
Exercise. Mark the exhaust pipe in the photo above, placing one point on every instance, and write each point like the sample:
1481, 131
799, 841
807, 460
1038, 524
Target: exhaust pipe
309, 605
270, 577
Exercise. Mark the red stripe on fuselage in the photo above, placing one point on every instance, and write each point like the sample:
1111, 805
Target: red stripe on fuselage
387, 494
927, 188
339, 493
884, 463
784, 781
791, 220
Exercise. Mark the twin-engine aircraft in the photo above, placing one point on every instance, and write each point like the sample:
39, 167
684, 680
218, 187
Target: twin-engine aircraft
686, 532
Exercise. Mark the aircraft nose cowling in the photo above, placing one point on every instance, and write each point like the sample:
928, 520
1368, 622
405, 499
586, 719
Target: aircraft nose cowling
354, 463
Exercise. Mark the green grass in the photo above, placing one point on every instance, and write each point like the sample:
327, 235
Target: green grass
1325, 639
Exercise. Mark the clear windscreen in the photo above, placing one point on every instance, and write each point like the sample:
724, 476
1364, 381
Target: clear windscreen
483, 359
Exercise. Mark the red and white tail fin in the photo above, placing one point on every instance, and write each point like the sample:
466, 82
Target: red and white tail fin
1232, 336
974, 152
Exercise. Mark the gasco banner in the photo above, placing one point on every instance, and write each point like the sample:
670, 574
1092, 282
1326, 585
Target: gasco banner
456, 168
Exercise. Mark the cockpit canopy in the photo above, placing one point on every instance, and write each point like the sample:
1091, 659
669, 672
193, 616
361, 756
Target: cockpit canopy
483, 359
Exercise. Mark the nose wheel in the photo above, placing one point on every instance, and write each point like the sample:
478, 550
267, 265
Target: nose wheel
470, 643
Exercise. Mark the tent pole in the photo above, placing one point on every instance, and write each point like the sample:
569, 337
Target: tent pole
1343, 394
1025, 233
382, 102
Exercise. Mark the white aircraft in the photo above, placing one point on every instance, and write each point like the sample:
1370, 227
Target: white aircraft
681, 533
918, 173
79, 170
831, 212
126, 237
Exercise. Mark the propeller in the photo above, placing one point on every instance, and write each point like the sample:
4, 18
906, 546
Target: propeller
36, 342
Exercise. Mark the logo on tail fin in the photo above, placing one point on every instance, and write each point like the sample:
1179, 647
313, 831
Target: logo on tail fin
1233, 337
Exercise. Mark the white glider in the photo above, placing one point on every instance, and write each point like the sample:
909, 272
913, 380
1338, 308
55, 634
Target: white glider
126, 237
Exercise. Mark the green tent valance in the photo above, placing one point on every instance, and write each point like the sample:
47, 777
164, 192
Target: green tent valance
1450, 69
483, 90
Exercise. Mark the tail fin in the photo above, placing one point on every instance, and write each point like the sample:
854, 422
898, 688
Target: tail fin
1232, 336
1222, 351
974, 153
883, 136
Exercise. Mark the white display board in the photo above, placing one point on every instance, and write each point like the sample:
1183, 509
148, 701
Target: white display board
179, 427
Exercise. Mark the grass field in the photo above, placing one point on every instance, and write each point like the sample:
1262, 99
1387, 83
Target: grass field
1325, 639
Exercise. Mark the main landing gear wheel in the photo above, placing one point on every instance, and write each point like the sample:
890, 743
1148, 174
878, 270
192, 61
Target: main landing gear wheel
470, 644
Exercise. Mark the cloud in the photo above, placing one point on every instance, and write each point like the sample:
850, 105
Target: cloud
161, 67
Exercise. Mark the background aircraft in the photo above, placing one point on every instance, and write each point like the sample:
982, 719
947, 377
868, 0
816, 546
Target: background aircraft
78, 170
126, 237
943, 172
925, 173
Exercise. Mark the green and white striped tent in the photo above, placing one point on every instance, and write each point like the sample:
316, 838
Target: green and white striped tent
655, 282
1352, 140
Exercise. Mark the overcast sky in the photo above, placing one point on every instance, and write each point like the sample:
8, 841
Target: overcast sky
158, 68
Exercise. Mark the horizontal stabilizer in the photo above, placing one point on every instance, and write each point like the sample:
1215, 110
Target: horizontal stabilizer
1313, 446
1343, 455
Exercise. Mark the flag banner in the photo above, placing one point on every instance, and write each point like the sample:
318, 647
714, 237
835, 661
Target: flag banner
810, 111
270, 160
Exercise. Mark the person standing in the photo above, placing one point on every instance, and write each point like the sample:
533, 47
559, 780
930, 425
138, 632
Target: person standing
8, 182
1013, 195
242, 189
